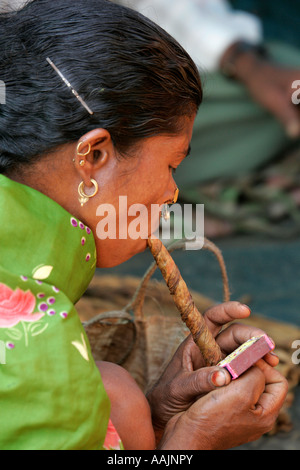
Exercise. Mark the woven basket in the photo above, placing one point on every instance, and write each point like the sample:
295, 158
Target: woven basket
143, 336
140, 339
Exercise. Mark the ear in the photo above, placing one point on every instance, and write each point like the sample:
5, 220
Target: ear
92, 152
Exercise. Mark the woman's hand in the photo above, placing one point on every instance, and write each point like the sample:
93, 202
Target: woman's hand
186, 379
231, 416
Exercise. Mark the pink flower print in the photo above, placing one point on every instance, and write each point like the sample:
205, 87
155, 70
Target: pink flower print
16, 306
74, 222
112, 439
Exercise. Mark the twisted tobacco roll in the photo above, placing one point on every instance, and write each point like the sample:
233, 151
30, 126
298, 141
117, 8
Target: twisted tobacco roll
183, 300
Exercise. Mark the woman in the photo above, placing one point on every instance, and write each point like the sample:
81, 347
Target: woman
100, 103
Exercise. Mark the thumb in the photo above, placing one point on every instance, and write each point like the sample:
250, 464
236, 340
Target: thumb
220, 377
206, 380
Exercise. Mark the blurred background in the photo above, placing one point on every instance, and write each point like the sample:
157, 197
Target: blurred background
245, 160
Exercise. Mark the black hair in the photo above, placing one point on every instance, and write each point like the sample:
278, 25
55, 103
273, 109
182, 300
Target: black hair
136, 78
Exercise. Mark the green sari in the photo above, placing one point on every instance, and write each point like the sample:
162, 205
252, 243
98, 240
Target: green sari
51, 391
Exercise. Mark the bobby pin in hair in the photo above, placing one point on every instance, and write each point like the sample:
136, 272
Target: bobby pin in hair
69, 85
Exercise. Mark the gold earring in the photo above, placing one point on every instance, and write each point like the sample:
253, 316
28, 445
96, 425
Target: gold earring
83, 154
83, 197
81, 163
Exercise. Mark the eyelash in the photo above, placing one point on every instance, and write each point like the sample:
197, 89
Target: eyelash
173, 170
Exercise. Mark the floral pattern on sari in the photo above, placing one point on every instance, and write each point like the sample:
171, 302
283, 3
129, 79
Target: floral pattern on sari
112, 439
17, 306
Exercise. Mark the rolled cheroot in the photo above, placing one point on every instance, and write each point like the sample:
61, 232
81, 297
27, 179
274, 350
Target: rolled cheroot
183, 300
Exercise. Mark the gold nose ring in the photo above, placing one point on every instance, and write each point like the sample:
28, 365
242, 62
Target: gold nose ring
176, 195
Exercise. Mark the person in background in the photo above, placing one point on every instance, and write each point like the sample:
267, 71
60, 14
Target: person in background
8, 5
248, 52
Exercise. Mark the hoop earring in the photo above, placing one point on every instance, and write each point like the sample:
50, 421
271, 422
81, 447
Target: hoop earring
83, 154
83, 197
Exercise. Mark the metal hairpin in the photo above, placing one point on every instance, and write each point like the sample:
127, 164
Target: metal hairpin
70, 86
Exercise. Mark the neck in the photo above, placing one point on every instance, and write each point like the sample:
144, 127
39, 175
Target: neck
52, 175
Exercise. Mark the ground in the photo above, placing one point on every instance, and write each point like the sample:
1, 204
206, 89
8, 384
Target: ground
264, 270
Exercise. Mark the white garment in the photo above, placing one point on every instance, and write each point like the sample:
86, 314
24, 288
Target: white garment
205, 28
9, 5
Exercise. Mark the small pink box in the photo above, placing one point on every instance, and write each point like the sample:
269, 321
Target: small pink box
247, 355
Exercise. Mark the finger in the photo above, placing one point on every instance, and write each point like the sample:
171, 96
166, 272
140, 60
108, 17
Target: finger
254, 379
220, 315
276, 388
207, 378
272, 359
237, 334
245, 391
220, 377
203, 381
192, 358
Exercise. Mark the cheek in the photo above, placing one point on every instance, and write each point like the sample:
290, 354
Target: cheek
148, 184
155, 186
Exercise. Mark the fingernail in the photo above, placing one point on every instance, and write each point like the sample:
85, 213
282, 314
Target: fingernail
219, 378
245, 307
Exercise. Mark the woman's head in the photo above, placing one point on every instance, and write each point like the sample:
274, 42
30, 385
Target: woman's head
137, 80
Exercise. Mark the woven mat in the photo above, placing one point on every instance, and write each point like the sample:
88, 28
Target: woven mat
144, 346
